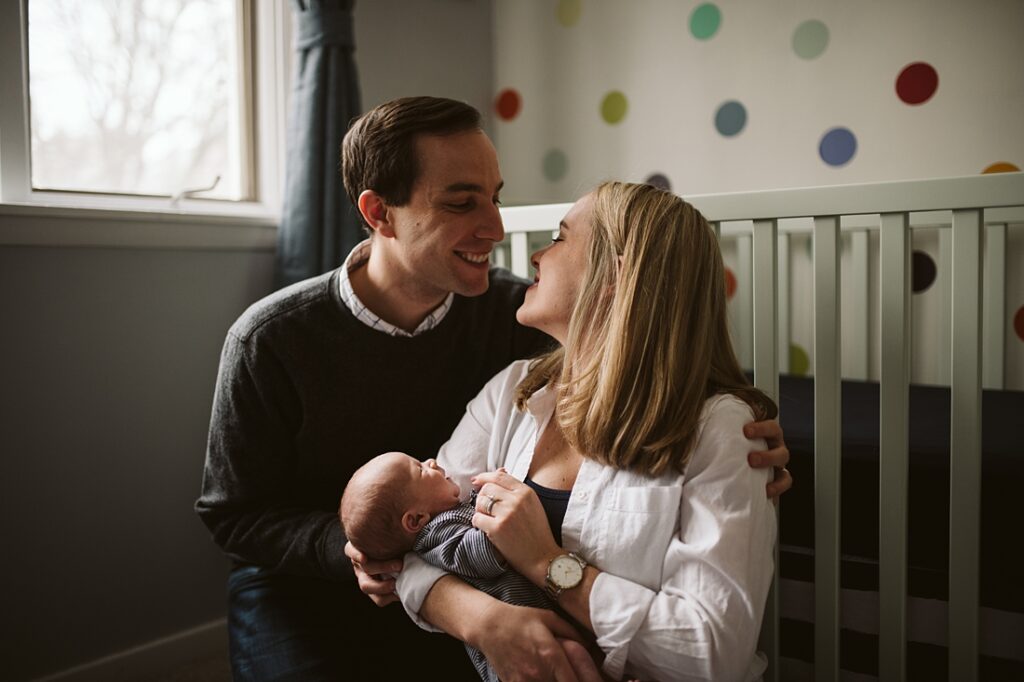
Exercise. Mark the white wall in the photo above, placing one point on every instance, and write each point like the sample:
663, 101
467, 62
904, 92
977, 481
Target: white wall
425, 47
674, 84
109, 358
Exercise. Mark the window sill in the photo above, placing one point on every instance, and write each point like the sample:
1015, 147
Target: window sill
246, 228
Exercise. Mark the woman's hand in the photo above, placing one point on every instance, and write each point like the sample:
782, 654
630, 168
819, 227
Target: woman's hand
511, 514
375, 577
776, 456
521, 644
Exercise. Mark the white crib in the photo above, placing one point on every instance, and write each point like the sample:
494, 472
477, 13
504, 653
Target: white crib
974, 212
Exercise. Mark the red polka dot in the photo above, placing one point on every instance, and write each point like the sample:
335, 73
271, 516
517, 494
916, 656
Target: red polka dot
917, 83
730, 284
1018, 322
507, 104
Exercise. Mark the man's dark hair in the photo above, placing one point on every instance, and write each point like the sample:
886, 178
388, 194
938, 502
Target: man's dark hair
379, 152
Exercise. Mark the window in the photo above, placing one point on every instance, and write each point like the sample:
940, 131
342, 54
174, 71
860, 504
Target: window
170, 105
138, 97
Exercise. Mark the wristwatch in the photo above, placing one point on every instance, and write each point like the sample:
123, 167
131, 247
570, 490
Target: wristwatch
565, 572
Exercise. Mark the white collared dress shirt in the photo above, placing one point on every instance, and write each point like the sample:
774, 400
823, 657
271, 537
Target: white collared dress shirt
686, 559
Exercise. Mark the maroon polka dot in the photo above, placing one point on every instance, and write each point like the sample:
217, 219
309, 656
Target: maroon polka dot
1018, 322
507, 104
917, 83
922, 271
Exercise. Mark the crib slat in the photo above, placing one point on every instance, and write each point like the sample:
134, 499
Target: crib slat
520, 253
994, 307
743, 301
893, 431
783, 303
944, 283
859, 337
766, 377
827, 426
965, 447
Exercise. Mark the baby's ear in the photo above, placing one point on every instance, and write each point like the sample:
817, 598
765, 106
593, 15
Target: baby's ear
413, 522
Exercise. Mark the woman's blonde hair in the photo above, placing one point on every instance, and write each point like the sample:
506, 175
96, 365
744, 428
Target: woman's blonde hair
648, 338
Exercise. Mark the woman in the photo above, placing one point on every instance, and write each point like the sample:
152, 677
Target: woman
626, 490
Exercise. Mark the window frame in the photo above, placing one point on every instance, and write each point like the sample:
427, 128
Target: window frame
265, 30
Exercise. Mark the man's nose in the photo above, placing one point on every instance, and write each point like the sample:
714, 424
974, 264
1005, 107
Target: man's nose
491, 227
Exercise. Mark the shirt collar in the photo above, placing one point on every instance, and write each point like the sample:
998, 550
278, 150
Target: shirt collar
357, 259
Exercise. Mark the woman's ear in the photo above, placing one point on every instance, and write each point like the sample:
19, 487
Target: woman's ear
375, 212
413, 522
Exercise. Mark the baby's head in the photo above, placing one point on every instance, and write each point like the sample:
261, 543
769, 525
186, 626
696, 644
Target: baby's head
388, 501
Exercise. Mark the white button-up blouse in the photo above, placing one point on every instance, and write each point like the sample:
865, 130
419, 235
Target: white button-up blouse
686, 559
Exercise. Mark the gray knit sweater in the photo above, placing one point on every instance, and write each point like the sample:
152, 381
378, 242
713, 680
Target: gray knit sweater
306, 394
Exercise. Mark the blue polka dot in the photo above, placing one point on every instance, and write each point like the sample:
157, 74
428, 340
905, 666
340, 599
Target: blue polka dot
658, 180
730, 118
837, 146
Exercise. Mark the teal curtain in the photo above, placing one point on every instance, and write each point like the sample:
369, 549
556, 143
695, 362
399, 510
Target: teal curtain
318, 224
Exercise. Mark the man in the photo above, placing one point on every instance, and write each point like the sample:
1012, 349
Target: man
381, 354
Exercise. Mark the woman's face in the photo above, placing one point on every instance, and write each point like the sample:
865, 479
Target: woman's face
560, 268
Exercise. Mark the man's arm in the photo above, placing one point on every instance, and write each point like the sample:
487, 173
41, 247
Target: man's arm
250, 463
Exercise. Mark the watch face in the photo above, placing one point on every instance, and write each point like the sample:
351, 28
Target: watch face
566, 572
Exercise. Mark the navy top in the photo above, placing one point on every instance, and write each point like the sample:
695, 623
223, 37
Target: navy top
555, 503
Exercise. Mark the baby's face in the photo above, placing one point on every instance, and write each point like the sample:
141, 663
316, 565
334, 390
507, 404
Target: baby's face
430, 489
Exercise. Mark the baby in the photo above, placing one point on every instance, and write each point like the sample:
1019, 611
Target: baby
395, 503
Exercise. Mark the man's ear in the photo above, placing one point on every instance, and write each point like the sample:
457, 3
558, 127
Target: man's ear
413, 522
375, 212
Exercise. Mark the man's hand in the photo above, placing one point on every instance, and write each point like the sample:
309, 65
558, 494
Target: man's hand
521, 644
777, 455
375, 577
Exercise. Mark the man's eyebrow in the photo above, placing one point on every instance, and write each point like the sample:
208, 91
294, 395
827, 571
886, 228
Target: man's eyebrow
471, 187
562, 225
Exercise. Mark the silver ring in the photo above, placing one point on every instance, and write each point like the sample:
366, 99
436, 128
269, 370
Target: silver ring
490, 504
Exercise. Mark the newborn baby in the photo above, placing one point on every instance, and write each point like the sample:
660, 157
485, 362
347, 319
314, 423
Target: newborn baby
395, 503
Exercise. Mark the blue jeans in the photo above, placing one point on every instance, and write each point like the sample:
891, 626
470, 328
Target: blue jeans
285, 627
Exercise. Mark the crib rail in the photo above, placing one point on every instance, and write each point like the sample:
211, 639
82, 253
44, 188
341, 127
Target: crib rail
972, 208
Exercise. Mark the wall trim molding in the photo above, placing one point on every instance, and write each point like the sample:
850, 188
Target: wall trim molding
153, 658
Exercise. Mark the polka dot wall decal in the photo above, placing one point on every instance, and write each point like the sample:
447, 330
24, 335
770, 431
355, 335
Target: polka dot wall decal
1001, 167
658, 180
705, 21
799, 362
613, 107
1018, 323
810, 39
568, 12
917, 83
556, 165
730, 284
730, 118
837, 146
507, 104
922, 271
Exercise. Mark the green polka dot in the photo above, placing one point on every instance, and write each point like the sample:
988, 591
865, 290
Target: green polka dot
556, 165
799, 363
705, 21
613, 107
810, 39
568, 12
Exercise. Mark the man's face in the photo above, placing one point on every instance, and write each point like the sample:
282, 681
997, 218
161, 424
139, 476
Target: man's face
445, 233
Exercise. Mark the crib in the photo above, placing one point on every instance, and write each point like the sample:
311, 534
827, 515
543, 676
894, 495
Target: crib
972, 216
